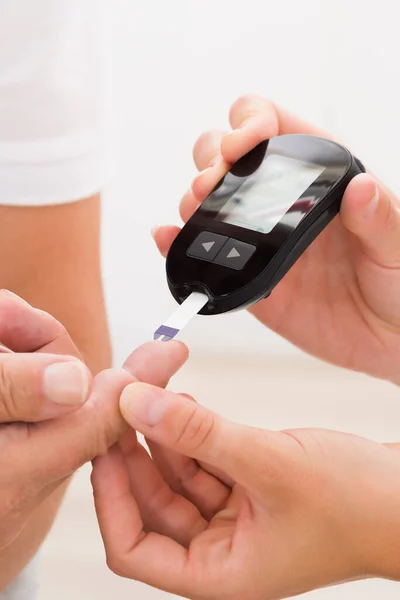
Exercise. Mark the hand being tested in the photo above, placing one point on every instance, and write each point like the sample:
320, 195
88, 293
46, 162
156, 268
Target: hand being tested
341, 300
282, 513
53, 416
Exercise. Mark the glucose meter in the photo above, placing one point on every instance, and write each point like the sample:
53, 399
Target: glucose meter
258, 221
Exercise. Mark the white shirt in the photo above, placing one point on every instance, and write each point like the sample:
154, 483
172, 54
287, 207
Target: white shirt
54, 119
26, 587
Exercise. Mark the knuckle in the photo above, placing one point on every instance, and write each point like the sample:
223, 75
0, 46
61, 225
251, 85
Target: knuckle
159, 503
205, 137
249, 105
188, 473
104, 439
207, 146
244, 102
183, 210
197, 428
105, 435
116, 564
105, 429
390, 215
8, 399
100, 436
99, 424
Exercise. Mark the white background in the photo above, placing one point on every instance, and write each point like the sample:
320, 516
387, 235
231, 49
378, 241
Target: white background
177, 67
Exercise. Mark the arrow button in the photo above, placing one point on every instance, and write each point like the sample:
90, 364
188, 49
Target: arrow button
206, 246
235, 254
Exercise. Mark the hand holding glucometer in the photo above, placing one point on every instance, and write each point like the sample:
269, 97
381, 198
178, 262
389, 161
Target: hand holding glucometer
260, 223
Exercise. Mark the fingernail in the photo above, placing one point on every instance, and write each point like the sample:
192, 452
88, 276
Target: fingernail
66, 383
372, 205
142, 403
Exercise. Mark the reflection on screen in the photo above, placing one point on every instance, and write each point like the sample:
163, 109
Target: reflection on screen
265, 197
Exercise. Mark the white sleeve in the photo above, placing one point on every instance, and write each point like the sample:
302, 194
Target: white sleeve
54, 110
26, 587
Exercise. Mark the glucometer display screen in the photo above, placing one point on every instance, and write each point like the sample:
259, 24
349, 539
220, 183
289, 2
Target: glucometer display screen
264, 197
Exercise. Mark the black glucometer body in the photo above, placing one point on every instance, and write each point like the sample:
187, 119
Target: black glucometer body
258, 220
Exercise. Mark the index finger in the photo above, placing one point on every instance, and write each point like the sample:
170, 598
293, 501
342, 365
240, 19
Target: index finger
24, 328
253, 119
282, 121
155, 362
131, 552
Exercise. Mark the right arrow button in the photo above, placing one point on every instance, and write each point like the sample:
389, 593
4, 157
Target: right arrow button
235, 254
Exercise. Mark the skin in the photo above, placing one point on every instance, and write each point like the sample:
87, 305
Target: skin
51, 257
224, 511
218, 510
341, 300
56, 266
42, 441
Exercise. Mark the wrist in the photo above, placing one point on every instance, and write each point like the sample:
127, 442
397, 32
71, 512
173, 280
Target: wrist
378, 535
15, 557
383, 557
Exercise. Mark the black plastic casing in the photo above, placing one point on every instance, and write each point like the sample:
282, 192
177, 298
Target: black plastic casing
276, 251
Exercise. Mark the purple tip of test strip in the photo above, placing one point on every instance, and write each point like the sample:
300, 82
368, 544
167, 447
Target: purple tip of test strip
167, 333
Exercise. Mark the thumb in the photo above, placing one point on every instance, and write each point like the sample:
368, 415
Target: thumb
36, 387
372, 213
174, 421
60, 446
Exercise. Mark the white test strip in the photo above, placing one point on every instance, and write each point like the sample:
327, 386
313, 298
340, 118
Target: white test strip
181, 317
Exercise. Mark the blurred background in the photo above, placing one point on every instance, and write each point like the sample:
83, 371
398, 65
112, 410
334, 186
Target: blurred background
176, 68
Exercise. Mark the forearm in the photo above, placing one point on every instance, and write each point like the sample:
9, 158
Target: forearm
380, 535
16, 556
50, 256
